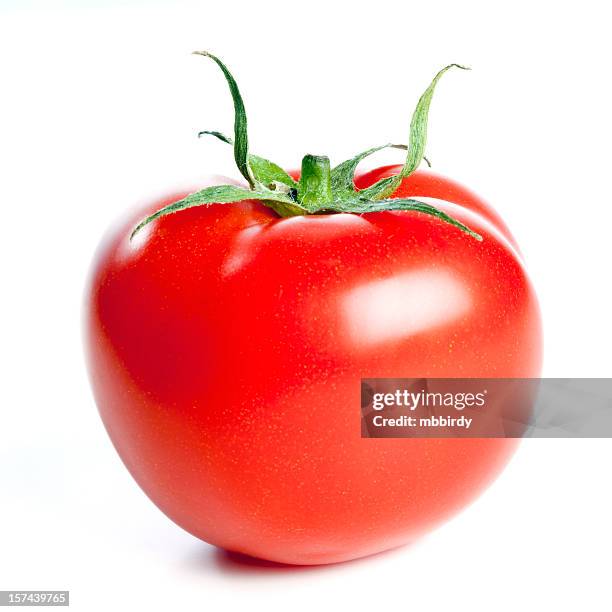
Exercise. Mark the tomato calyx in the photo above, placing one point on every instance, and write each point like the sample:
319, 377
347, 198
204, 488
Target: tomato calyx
321, 189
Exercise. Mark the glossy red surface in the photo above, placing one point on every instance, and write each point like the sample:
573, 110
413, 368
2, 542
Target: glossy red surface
226, 346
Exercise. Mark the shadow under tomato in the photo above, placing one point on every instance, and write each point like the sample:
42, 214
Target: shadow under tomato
232, 563
237, 563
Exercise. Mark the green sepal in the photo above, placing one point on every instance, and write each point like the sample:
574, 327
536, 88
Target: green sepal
226, 194
241, 140
265, 172
360, 205
416, 142
268, 173
343, 175
220, 135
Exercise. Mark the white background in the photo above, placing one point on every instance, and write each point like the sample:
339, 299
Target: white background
100, 105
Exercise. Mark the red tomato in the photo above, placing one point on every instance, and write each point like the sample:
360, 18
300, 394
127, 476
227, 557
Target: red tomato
226, 347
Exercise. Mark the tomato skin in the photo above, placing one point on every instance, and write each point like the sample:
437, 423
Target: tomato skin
226, 345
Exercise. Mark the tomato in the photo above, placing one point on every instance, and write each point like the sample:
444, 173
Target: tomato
226, 345
226, 350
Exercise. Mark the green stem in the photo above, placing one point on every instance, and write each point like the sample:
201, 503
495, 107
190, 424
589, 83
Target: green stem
314, 188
